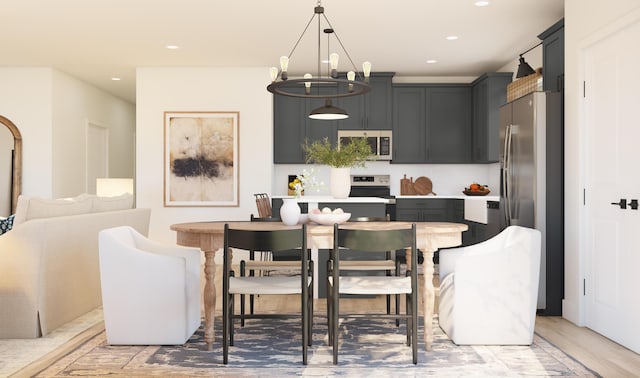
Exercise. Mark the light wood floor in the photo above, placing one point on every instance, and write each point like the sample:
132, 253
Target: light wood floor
600, 354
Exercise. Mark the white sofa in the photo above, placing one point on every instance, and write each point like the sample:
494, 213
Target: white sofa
489, 291
150, 292
49, 270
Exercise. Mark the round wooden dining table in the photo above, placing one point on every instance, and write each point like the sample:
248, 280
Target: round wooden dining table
209, 237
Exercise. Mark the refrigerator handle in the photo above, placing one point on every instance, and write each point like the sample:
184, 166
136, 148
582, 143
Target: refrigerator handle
506, 172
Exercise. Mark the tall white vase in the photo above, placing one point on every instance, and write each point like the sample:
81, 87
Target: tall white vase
290, 211
340, 182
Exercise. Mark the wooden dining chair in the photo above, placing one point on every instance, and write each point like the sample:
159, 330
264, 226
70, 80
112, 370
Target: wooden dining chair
264, 205
388, 264
302, 285
344, 242
264, 265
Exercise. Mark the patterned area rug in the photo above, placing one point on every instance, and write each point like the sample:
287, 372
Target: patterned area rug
272, 348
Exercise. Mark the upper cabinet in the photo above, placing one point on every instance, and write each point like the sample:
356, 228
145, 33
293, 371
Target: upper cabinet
371, 111
292, 126
489, 93
553, 57
432, 123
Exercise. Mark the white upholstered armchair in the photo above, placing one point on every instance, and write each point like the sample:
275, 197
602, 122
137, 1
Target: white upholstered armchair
489, 291
150, 292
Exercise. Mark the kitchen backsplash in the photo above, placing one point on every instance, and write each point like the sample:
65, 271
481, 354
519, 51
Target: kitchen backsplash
448, 179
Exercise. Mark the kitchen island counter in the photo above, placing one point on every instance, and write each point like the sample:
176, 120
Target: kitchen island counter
453, 196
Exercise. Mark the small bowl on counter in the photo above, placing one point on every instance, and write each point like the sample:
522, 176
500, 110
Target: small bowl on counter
329, 219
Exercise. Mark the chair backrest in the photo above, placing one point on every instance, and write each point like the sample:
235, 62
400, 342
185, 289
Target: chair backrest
374, 240
266, 240
264, 205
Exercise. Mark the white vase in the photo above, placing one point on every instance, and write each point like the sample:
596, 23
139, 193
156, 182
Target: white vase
290, 211
340, 182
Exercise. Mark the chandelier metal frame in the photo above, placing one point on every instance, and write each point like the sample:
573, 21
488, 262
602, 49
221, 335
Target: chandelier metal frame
292, 87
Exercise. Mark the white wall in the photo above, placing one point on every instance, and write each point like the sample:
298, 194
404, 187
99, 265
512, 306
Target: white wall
51, 109
202, 89
584, 21
76, 103
25, 99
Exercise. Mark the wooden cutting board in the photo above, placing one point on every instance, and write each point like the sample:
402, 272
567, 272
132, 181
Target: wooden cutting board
423, 186
406, 186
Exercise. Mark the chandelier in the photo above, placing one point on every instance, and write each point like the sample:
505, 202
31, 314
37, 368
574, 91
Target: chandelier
353, 84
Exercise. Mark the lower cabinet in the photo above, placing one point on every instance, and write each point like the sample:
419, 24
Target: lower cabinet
441, 210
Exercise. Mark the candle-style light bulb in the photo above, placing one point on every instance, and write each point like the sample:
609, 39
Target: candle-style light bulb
366, 68
307, 84
333, 64
273, 71
284, 66
351, 76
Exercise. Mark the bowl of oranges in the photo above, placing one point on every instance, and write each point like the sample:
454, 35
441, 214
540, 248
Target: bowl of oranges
476, 189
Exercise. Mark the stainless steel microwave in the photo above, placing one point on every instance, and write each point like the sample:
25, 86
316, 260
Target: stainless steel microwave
379, 140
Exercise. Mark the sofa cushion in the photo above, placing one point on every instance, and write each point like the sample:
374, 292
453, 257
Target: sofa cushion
6, 224
121, 202
33, 208
100, 204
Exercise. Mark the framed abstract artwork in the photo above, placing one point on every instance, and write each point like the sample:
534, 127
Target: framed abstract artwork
201, 158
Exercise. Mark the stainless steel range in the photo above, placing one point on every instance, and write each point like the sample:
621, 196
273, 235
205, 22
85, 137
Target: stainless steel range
374, 186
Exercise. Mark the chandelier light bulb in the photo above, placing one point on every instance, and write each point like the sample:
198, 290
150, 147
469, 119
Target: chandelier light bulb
366, 69
333, 63
307, 84
351, 76
284, 66
273, 72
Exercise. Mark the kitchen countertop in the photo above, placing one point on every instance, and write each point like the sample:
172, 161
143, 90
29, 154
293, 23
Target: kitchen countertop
329, 199
453, 196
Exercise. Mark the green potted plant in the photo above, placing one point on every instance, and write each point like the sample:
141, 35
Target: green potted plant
354, 154
341, 159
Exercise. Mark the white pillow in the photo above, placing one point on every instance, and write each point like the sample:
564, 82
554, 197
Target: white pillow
33, 208
121, 202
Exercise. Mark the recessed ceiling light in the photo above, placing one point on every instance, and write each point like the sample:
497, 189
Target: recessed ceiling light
172, 47
452, 37
481, 3
115, 78
432, 61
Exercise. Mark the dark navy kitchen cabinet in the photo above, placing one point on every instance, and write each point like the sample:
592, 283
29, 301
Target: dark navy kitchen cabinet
432, 123
292, 126
489, 93
372, 110
553, 57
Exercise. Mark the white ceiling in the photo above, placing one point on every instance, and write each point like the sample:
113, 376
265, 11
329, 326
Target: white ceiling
95, 40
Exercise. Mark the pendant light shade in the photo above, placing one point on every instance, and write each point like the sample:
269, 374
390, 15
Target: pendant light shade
524, 69
328, 112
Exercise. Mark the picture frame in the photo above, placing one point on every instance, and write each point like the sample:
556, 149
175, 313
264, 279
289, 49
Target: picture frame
201, 159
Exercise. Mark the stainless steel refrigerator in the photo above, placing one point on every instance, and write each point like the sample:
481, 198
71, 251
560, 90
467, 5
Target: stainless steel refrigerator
531, 162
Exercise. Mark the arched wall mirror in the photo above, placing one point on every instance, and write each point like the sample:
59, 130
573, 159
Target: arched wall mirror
10, 166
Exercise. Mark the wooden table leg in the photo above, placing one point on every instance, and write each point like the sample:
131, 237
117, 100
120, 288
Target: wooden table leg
429, 298
428, 294
209, 298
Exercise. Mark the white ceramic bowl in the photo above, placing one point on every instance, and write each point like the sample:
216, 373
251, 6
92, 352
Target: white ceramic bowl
329, 219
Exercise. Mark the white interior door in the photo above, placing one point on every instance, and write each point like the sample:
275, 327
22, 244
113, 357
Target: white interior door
612, 102
97, 155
